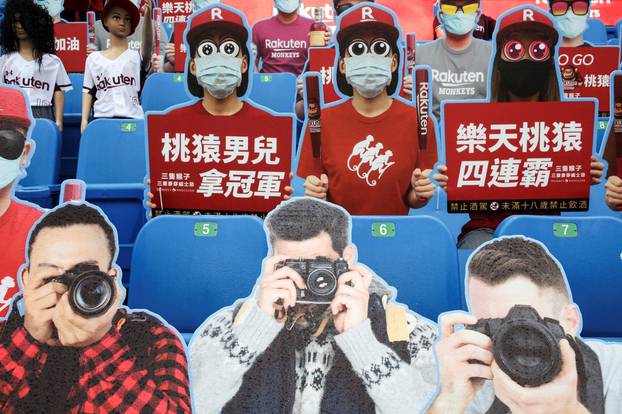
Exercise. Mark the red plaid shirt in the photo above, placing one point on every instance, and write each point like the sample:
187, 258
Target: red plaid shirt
110, 380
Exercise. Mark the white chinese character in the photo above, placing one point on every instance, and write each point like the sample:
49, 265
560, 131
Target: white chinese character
504, 173
534, 138
327, 75
206, 148
175, 148
265, 148
536, 172
236, 147
167, 7
60, 44
269, 184
74, 44
567, 136
473, 173
603, 81
589, 81
211, 183
179, 7
503, 137
240, 183
189, 7
472, 136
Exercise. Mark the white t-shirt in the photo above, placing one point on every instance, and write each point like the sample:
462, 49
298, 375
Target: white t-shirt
39, 82
116, 84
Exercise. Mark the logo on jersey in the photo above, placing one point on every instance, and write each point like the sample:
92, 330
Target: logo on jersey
457, 83
26, 83
369, 161
104, 83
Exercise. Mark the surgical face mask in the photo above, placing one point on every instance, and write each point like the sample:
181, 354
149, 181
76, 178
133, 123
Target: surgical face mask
54, 7
369, 74
459, 24
571, 25
220, 74
287, 6
199, 4
9, 171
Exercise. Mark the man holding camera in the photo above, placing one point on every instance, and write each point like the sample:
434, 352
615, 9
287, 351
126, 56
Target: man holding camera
318, 334
74, 350
520, 351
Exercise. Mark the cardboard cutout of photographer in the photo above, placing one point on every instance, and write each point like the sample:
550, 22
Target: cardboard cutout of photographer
319, 333
68, 346
519, 350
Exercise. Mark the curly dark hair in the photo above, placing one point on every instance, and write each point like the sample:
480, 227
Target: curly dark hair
37, 23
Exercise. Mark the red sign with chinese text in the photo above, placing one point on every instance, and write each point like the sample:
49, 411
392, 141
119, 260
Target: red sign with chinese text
70, 41
219, 165
321, 60
518, 157
586, 71
180, 47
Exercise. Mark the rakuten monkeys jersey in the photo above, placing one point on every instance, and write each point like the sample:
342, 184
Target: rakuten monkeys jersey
116, 84
369, 161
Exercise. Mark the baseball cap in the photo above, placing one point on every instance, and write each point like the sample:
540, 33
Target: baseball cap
128, 5
14, 107
367, 16
526, 19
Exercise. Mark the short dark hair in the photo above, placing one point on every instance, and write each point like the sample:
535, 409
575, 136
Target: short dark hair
504, 258
75, 214
305, 218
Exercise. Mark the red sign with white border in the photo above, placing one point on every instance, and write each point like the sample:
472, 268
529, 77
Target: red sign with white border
70, 42
180, 47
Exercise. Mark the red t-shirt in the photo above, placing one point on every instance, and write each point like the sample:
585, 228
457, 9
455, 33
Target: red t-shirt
369, 161
15, 224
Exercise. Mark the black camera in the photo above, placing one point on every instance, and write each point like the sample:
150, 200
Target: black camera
320, 276
525, 346
91, 291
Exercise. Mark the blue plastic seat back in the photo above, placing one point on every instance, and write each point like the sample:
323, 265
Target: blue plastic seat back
596, 32
276, 91
163, 90
44, 165
185, 275
73, 98
419, 260
591, 258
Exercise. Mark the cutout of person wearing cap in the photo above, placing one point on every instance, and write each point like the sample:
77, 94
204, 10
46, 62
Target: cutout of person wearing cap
114, 77
501, 274
354, 351
369, 149
16, 217
524, 70
29, 59
72, 347
571, 16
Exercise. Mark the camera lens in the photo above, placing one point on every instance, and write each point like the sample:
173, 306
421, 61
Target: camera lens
92, 294
322, 282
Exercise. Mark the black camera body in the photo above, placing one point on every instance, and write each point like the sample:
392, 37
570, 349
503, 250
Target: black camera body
91, 291
525, 346
320, 275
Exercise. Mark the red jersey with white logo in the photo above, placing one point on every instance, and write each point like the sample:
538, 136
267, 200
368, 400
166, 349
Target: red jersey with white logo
369, 161
38, 81
15, 224
116, 84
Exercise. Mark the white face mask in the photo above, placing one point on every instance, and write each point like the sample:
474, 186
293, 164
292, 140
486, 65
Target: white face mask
369, 74
571, 25
9, 170
287, 6
54, 7
220, 74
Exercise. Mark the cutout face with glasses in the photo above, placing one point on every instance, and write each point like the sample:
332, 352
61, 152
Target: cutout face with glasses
561, 7
451, 7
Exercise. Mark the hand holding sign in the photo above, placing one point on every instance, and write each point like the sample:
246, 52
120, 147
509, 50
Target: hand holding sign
613, 196
422, 185
316, 187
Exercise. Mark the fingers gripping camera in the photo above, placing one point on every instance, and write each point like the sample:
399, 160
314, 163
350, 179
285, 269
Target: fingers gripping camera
320, 275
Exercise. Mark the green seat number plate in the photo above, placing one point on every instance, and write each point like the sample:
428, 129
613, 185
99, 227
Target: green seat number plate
383, 229
206, 229
565, 230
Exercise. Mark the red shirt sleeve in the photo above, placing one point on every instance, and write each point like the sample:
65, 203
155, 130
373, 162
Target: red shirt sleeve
307, 163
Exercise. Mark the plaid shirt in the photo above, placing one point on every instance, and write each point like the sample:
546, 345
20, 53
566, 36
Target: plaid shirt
110, 380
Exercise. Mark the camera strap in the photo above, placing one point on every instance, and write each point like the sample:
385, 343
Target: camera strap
590, 385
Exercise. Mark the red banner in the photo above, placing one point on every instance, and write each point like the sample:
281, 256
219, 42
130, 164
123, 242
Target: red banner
175, 10
518, 157
322, 60
217, 164
607, 11
586, 72
70, 40
180, 47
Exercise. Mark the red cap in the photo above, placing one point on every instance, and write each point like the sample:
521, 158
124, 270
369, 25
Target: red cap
527, 18
13, 107
367, 16
217, 16
127, 5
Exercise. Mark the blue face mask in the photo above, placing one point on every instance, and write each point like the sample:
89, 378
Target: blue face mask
218, 73
9, 171
459, 24
287, 6
571, 25
54, 7
199, 4
368, 74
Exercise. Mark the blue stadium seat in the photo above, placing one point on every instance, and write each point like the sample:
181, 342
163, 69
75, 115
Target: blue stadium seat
112, 163
71, 126
276, 91
591, 259
163, 90
613, 42
41, 184
600, 133
619, 28
596, 32
185, 277
420, 260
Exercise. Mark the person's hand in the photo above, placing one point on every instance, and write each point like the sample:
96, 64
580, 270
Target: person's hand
596, 170
349, 307
613, 196
90, 48
277, 288
157, 63
76, 331
316, 187
422, 185
147, 7
441, 177
149, 203
299, 86
289, 190
557, 396
407, 86
40, 299
170, 52
460, 379
83, 125
59, 125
